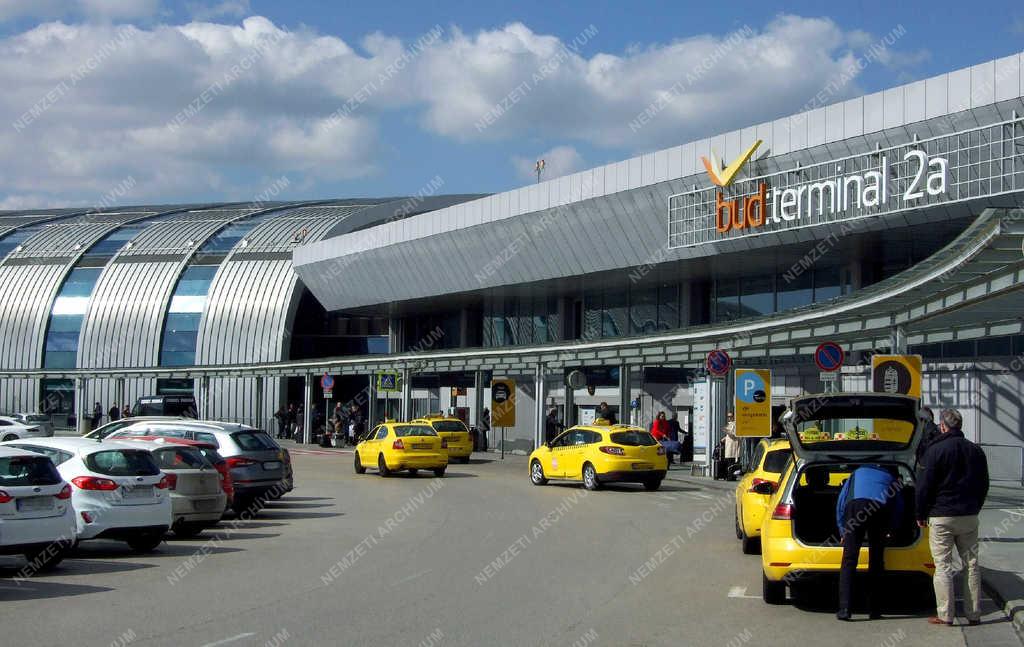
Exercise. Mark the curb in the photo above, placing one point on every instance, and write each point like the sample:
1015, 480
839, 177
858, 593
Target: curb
999, 585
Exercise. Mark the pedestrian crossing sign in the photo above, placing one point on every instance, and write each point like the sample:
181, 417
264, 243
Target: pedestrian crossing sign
388, 381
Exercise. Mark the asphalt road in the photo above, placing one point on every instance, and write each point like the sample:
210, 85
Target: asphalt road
480, 557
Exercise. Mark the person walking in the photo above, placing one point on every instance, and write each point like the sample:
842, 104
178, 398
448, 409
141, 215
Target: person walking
659, 429
97, 415
114, 413
551, 425
282, 421
930, 435
126, 411
485, 428
674, 433
730, 446
604, 412
950, 495
870, 505
290, 420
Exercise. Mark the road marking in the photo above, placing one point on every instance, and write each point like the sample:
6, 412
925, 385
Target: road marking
1018, 512
413, 577
231, 639
667, 496
701, 495
741, 592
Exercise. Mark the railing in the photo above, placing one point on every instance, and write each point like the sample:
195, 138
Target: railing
996, 476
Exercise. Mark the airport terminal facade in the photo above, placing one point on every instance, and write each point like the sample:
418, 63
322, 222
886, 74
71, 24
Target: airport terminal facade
891, 222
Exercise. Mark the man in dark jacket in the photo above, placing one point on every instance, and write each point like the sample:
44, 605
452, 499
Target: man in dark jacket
930, 435
870, 504
950, 494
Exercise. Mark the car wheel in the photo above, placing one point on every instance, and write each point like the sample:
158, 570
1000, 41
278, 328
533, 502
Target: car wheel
652, 484
465, 460
751, 545
10, 437
359, 465
145, 543
382, 466
249, 504
44, 559
590, 477
414, 471
439, 472
537, 473
772, 592
739, 528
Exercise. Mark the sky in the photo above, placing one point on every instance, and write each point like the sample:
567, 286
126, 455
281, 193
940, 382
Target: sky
179, 101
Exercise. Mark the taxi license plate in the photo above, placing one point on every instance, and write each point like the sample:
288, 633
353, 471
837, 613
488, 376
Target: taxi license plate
421, 446
272, 465
140, 492
641, 466
31, 504
205, 505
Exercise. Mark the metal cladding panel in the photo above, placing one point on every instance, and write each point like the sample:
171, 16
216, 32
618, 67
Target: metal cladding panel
17, 395
234, 400
915, 102
171, 237
1007, 78
245, 319
983, 84
25, 303
125, 318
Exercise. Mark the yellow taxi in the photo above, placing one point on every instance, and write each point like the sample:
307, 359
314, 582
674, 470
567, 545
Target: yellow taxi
454, 432
396, 446
597, 454
831, 435
756, 488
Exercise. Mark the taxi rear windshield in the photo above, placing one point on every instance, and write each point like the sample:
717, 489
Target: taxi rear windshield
633, 438
27, 470
449, 425
414, 430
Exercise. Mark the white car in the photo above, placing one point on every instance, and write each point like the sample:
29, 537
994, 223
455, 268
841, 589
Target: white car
12, 429
36, 517
40, 420
118, 490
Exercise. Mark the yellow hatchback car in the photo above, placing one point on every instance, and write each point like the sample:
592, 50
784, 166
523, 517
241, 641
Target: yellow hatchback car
597, 454
396, 446
756, 488
454, 432
832, 435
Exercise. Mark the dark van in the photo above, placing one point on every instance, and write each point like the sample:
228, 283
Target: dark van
166, 405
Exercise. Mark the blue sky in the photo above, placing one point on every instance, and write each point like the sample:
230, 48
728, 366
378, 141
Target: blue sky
71, 135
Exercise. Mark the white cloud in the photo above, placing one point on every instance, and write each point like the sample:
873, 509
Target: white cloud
559, 161
86, 105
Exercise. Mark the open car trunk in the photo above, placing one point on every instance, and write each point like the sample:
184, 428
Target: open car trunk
816, 493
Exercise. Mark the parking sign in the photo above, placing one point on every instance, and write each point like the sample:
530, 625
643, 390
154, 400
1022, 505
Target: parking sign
753, 403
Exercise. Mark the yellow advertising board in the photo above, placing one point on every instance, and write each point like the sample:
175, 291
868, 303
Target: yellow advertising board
503, 402
898, 374
753, 402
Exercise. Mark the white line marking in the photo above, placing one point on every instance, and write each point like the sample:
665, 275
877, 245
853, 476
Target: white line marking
701, 495
1018, 512
231, 639
737, 591
413, 577
667, 496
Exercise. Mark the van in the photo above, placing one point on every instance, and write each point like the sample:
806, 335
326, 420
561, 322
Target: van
166, 405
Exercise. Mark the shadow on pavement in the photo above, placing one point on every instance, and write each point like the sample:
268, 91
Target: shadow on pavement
289, 497
103, 548
33, 589
902, 597
277, 513
224, 535
1002, 540
284, 503
74, 566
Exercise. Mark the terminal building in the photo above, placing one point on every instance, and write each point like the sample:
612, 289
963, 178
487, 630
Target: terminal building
889, 223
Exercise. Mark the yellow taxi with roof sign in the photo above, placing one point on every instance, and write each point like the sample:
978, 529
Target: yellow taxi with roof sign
397, 446
454, 432
596, 454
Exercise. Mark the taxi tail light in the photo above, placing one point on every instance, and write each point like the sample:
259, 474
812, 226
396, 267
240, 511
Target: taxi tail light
614, 451
754, 483
398, 444
444, 443
94, 483
5, 498
65, 493
167, 481
239, 461
783, 512
661, 450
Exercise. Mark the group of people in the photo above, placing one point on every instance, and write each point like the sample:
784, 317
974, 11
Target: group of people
952, 484
677, 442
344, 424
96, 417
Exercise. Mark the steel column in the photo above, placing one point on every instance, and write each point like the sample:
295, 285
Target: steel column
540, 396
259, 406
307, 405
406, 395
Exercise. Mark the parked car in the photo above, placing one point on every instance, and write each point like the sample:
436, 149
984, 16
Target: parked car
455, 433
101, 432
36, 516
831, 435
166, 405
12, 429
260, 468
596, 454
197, 496
210, 453
756, 488
40, 420
118, 491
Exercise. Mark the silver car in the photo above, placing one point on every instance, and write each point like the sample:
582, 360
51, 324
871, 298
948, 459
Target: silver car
40, 420
260, 468
11, 429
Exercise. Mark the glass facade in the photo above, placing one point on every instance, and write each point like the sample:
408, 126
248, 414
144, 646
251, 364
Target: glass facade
763, 295
181, 327
520, 321
115, 240
66, 315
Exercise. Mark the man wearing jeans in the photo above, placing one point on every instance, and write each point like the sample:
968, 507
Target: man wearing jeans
950, 494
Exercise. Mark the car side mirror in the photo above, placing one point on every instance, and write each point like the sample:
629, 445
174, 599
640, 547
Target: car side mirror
766, 487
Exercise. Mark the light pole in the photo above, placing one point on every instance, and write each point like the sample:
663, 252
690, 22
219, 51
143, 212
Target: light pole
538, 168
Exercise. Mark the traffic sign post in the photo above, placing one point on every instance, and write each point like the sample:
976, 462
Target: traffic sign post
327, 384
753, 402
503, 406
718, 363
388, 381
829, 357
